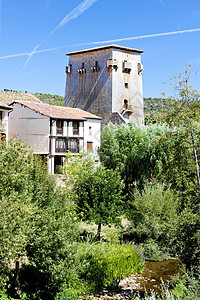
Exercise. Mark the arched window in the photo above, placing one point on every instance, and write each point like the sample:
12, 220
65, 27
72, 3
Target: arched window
125, 104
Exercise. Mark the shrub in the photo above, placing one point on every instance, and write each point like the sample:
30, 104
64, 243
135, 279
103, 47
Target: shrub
153, 213
104, 265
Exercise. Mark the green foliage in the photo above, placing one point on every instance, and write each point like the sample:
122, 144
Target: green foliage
187, 236
105, 265
153, 215
154, 108
37, 226
131, 150
51, 99
99, 196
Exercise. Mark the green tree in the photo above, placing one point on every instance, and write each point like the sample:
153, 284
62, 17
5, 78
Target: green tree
153, 213
131, 150
36, 223
99, 196
185, 112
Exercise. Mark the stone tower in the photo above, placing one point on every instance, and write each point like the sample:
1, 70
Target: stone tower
106, 81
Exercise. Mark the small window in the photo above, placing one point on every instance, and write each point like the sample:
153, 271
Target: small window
1, 117
75, 128
59, 124
83, 66
96, 63
90, 130
126, 104
126, 85
89, 145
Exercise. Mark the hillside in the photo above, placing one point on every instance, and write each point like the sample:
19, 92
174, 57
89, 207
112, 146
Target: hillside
50, 99
155, 105
151, 105
7, 97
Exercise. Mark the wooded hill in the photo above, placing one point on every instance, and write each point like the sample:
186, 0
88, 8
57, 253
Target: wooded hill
150, 104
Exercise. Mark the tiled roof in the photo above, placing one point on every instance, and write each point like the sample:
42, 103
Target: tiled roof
58, 112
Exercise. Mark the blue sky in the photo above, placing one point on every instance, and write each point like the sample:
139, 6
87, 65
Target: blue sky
27, 27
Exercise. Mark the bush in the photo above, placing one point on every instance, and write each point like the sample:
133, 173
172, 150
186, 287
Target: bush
153, 213
104, 265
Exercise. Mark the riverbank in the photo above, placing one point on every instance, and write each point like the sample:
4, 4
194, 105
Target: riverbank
154, 274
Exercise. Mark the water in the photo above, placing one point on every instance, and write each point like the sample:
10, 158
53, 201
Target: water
152, 276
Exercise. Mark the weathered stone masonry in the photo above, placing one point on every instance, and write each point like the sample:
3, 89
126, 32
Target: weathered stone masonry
105, 81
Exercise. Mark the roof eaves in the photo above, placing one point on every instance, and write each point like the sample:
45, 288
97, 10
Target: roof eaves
105, 47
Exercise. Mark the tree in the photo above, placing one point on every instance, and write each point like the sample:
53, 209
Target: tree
99, 196
36, 222
153, 213
130, 149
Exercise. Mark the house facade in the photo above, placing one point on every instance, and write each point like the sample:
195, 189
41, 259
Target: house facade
4, 126
52, 131
106, 81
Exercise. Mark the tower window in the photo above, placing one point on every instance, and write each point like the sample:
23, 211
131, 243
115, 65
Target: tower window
126, 85
125, 104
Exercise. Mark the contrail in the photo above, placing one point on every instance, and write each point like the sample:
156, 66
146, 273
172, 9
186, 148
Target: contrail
142, 37
77, 11
104, 42
28, 54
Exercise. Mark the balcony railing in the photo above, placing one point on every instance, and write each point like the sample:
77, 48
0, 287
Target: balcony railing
73, 150
61, 150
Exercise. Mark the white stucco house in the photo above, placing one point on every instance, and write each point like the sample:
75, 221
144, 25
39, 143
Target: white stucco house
51, 131
4, 115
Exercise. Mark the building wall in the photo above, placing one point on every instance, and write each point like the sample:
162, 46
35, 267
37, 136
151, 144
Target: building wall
30, 126
5, 123
90, 91
92, 134
103, 93
134, 92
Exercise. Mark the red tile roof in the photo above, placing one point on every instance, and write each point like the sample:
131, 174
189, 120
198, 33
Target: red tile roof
58, 112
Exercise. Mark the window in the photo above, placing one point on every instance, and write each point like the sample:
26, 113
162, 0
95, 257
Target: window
61, 145
59, 124
73, 145
96, 63
126, 85
89, 145
126, 104
83, 66
1, 117
75, 128
90, 130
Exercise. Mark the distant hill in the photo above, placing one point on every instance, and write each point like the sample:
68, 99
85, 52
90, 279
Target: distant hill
50, 99
7, 97
151, 105
155, 105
